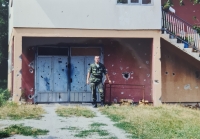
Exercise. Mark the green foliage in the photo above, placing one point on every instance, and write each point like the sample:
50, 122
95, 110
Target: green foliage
21, 130
4, 96
197, 28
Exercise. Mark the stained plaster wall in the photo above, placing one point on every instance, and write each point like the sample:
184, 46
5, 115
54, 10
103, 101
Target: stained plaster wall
180, 75
131, 56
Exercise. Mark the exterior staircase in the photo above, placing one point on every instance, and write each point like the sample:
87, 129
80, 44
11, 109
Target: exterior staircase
180, 34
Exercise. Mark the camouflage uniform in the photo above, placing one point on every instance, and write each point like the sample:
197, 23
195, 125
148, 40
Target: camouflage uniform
96, 75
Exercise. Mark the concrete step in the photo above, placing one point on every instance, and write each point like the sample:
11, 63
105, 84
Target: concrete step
165, 36
174, 41
187, 50
195, 55
180, 45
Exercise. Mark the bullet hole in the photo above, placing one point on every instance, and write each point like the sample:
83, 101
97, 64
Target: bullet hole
108, 54
113, 81
187, 87
173, 74
112, 65
20, 57
196, 87
31, 89
144, 80
145, 54
132, 72
140, 67
30, 70
121, 68
127, 67
89, 64
131, 77
41, 76
126, 75
177, 87
20, 88
114, 73
59, 61
148, 75
197, 74
122, 92
63, 70
147, 62
58, 74
30, 96
48, 66
31, 64
166, 72
156, 81
75, 67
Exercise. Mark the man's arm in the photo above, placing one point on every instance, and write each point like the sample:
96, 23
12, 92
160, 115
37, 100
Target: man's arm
107, 78
88, 76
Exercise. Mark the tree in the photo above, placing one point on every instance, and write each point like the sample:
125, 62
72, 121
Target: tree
3, 29
3, 40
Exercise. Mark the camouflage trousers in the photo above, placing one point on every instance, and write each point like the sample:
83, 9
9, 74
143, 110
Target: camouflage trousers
94, 87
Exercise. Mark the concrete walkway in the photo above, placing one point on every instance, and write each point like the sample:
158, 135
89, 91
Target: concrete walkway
58, 126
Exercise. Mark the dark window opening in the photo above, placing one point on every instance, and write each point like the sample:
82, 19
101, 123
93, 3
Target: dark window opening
52, 51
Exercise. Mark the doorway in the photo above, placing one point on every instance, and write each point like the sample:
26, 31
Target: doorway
61, 73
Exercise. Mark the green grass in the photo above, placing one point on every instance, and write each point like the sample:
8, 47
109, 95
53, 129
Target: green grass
21, 130
85, 133
97, 124
77, 111
14, 111
148, 122
71, 128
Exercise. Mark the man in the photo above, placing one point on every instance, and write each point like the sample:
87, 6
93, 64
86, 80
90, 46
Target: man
95, 75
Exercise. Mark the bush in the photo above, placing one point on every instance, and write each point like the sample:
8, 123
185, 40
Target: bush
4, 96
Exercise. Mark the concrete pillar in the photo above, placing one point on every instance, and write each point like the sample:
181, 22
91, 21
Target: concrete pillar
156, 71
17, 83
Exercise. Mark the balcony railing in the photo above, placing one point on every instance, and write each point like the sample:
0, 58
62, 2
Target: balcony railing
181, 30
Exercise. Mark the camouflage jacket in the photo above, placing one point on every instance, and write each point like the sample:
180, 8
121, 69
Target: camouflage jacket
96, 73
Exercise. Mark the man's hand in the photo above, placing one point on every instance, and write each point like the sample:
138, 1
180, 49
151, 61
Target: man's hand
88, 82
109, 81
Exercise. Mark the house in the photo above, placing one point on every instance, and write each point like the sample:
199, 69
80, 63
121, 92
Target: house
52, 44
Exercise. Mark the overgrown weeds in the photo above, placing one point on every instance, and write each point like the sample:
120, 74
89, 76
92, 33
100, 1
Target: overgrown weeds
13, 111
68, 111
166, 121
4, 96
21, 130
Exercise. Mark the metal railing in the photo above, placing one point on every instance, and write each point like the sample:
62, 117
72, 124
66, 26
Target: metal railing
180, 30
113, 89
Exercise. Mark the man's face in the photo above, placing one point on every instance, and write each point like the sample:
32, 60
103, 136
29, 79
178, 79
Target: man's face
96, 59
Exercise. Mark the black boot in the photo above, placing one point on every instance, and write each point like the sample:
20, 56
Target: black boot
102, 103
94, 104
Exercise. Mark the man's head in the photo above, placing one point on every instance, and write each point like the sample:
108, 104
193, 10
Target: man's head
97, 59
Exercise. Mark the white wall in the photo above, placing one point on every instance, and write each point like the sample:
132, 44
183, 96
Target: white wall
85, 14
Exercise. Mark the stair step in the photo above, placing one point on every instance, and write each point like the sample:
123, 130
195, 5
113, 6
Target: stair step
173, 41
188, 50
165, 36
195, 55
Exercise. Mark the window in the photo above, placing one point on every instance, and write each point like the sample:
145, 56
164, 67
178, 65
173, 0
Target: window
137, 2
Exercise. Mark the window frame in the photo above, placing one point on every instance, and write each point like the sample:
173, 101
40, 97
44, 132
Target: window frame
139, 3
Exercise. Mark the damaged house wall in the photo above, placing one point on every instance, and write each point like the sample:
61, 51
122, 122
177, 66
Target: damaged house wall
128, 62
180, 75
